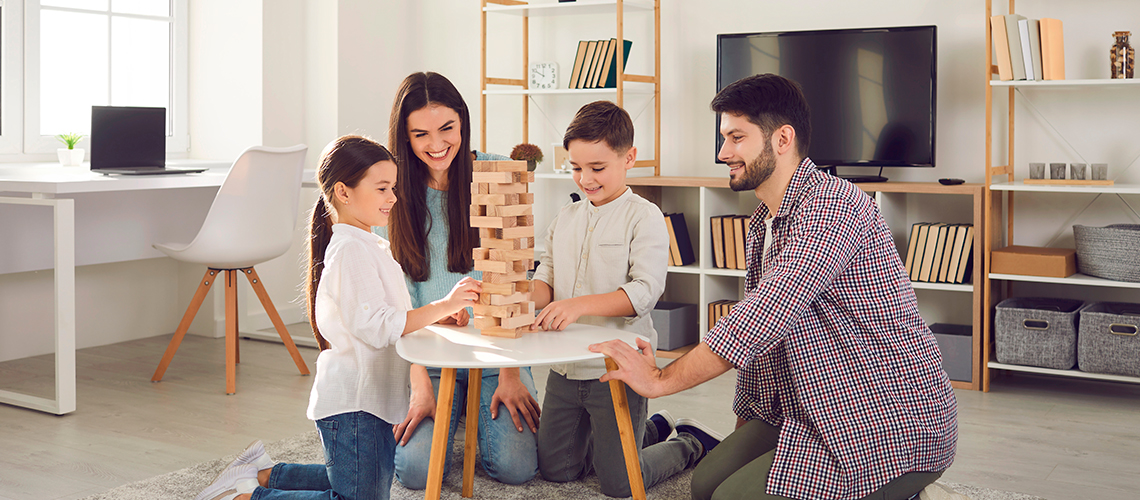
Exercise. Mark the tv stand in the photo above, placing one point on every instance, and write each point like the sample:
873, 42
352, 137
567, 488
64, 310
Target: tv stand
855, 178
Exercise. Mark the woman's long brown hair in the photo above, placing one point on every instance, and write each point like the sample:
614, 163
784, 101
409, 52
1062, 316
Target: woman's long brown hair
411, 219
345, 160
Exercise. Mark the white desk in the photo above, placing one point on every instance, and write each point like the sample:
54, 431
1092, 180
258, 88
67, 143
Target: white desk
452, 347
109, 226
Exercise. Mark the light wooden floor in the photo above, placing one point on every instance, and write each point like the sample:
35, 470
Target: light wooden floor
1056, 438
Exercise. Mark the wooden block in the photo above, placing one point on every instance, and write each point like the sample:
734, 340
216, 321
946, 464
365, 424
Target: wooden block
501, 244
496, 177
503, 332
493, 277
481, 210
481, 322
514, 188
524, 286
524, 220
510, 166
504, 311
497, 199
508, 210
487, 299
494, 266
499, 288
497, 222
529, 242
517, 321
517, 232
481, 188
481, 253
529, 307
530, 177
516, 298
483, 166
525, 199
509, 255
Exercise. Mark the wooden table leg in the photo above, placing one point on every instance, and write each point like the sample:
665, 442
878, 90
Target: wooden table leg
470, 448
439, 434
625, 430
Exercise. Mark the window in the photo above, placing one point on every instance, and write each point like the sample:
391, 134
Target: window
80, 53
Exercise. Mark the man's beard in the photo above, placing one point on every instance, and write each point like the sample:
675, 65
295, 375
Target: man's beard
756, 171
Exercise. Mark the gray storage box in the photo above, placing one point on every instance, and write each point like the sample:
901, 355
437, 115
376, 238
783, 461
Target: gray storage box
956, 343
1107, 342
676, 325
1037, 332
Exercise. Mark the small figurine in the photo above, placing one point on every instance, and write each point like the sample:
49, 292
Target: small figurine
1123, 56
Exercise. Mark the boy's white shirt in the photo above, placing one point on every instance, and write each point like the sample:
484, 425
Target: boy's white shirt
594, 250
361, 309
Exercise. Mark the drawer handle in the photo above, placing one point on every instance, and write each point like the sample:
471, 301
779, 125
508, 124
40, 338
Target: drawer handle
1035, 324
1122, 329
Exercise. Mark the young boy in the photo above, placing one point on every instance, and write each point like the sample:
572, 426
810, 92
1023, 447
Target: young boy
605, 264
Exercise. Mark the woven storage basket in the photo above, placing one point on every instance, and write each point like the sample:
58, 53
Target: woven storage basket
1108, 340
1110, 252
1037, 332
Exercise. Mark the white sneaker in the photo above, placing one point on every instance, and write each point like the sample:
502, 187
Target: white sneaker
232, 482
253, 454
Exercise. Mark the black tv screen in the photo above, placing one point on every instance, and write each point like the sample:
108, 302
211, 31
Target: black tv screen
871, 91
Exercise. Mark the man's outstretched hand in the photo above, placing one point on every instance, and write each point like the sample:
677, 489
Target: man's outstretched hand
637, 368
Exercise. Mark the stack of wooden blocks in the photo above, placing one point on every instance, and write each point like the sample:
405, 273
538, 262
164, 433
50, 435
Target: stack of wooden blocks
501, 207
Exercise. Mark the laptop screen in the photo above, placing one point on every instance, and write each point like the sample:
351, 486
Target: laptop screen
127, 137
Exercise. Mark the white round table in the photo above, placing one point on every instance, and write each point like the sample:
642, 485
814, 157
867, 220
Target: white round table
450, 347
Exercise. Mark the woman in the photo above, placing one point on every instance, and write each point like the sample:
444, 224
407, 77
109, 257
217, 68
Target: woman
430, 133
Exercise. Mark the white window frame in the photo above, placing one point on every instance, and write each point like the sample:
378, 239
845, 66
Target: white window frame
177, 145
12, 72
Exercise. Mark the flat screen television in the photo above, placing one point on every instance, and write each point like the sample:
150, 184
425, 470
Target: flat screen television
871, 91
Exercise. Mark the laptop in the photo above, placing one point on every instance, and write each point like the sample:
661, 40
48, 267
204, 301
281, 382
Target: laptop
131, 141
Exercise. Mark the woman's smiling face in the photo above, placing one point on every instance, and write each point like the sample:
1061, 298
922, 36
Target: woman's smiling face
435, 136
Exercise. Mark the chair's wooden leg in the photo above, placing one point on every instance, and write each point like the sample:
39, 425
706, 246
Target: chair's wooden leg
625, 430
470, 443
439, 434
259, 288
191, 311
237, 329
231, 330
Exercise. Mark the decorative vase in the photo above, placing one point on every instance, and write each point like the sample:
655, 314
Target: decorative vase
70, 157
1122, 57
531, 165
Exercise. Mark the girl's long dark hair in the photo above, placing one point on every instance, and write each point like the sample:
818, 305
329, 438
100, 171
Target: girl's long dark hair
411, 218
345, 160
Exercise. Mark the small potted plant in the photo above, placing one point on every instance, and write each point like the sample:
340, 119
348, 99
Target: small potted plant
69, 156
529, 152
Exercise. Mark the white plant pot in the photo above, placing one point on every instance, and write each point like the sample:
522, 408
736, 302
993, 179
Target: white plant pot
70, 157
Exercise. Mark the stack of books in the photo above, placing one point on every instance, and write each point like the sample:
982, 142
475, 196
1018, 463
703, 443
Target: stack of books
595, 65
1028, 49
720, 309
680, 246
940, 252
728, 233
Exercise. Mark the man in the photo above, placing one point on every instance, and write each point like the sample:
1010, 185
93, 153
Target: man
840, 391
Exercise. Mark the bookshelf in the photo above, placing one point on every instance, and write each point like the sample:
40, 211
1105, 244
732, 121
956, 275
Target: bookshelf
642, 84
703, 282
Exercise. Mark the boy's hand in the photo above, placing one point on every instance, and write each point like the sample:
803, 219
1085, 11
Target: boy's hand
422, 406
463, 294
558, 315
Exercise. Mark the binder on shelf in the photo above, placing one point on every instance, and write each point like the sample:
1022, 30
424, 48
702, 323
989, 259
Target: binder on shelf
729, 242
611, 72
599, 57
579, 58
1013, 34
717, 240
672, 242
1027, 48
1052, 49
740, 229
680, 233
1001, 48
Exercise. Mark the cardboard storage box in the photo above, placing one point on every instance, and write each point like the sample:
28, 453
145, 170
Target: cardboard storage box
676, 325
956, 343
1035, 261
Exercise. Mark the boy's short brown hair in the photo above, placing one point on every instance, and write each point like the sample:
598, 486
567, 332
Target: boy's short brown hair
601, 121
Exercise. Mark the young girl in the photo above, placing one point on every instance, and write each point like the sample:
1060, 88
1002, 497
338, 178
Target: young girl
358, 306
430, 132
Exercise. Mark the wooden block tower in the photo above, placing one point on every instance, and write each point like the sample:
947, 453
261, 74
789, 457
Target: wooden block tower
501, 207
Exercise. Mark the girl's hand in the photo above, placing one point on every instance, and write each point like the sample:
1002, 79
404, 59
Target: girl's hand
557, 315
460, 318
463, 294
513, 395
422, 406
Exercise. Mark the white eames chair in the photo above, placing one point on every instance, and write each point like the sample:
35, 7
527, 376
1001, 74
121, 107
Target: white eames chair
251, 221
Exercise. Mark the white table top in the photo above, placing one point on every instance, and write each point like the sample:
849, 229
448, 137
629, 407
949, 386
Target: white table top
449, 346
55, 179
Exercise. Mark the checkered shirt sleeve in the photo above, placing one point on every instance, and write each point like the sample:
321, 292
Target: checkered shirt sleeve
830, 347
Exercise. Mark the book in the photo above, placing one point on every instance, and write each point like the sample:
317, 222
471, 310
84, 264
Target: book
578, 59
1001, 47
911, 245
611, 72
956, 253
919, 249
729, 242
674, 256
717, 240
939, 252
1035, 47
607, 62
679, 237
1026, 48
947, 253
1016, 61
965, 264
1052, 49
599, 57
928, 252
587, 63
740, 225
